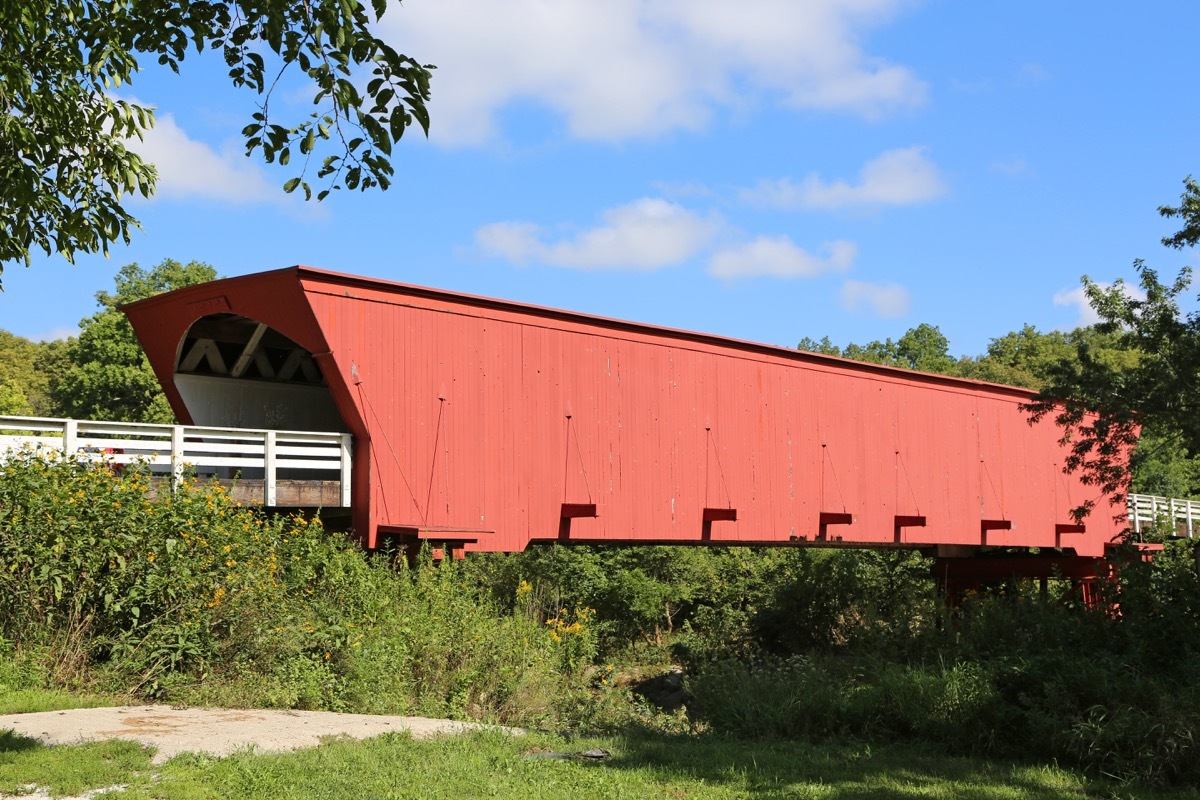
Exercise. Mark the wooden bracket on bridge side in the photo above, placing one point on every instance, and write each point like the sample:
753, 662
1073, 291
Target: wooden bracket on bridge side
711, 515
577, 510
902, 522
572, 511
439, 537
992, 525
720, 515
1067, 528
828, 518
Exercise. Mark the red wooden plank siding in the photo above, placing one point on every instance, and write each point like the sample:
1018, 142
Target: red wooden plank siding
489, 417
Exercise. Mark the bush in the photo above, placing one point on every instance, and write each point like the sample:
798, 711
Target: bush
117, 582
1012, 676
185, 595
838, 598
822, 696
693, 604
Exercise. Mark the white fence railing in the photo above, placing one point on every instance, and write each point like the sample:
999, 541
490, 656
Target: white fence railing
270, 456
1146, 509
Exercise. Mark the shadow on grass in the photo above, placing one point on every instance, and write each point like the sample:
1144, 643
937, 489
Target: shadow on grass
13, 742
773, 768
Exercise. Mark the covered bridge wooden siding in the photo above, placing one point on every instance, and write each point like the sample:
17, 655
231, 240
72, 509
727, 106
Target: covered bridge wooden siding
487, 425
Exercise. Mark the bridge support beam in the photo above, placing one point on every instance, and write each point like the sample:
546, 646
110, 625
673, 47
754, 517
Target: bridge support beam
956, 577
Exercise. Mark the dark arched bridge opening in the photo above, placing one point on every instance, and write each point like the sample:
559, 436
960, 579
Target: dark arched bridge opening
233, 371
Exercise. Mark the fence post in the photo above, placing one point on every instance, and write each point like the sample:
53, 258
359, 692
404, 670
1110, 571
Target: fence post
176, 455
269, 468
347, 469
70, 436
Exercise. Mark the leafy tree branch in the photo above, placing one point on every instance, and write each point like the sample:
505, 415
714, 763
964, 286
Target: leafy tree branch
1104, 404
65, 165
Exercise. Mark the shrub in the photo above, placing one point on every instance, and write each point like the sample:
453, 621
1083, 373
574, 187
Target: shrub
186, 595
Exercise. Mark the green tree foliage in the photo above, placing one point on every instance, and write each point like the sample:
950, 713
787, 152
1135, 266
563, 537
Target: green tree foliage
825, 347
12, 401
17, 373
107, 374
923, 348
1029, 358
874, 353
1021, 358
1188, 211
825, 598
26, 373
697, 601
1153, 387
65, 166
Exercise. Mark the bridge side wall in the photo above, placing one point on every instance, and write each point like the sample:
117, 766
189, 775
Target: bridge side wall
490, 419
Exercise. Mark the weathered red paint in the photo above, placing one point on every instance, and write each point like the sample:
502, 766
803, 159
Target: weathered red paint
485, 425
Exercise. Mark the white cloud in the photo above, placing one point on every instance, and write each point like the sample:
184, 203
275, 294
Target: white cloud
897, 177
779, 257
646, 234
190, 168
627, 68
517, 242
1087, 315
881, 299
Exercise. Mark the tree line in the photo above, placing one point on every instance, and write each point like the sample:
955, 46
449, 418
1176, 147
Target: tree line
102, 373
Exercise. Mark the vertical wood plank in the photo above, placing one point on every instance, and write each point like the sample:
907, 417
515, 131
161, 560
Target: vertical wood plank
347, 468
70, 436
271, 498
176, 455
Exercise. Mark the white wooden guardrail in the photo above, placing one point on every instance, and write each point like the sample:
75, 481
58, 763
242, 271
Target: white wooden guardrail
270, 456
1146, 509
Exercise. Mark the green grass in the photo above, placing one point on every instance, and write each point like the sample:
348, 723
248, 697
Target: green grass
68, 770
497, 766
28, 701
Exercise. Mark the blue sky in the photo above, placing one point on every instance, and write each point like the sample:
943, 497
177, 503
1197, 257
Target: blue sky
766, 170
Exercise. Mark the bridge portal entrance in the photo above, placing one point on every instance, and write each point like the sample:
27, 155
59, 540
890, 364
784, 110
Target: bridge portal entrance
236, 372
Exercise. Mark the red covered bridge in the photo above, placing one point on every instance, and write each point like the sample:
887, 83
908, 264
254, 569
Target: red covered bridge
481, 424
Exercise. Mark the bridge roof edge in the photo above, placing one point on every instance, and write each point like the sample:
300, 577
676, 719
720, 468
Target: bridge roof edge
317, 275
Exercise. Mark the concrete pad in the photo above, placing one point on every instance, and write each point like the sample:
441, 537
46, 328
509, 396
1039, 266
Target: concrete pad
220, 732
